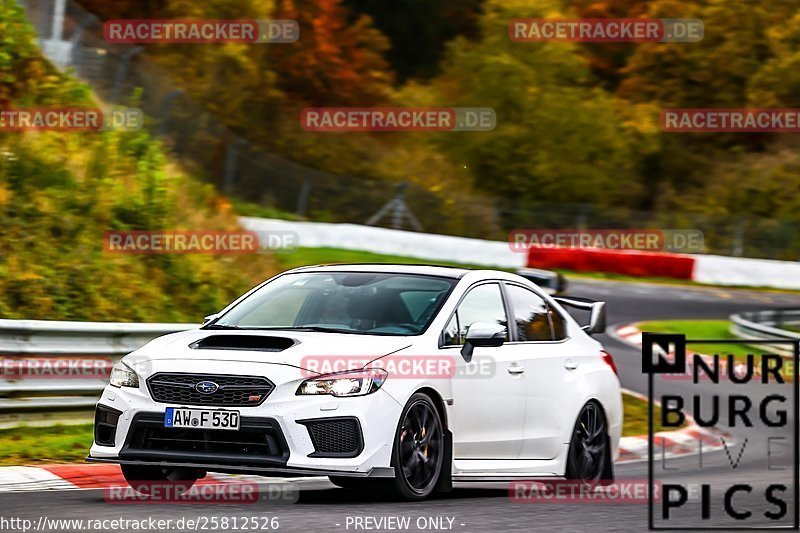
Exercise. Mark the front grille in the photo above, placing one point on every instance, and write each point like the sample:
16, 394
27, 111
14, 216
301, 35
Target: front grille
259, 441
335, 437
105, 425
234, 391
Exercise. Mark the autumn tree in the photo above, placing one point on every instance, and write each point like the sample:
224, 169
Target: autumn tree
607, 60
419, 30
777, 82
336, 61
557, 138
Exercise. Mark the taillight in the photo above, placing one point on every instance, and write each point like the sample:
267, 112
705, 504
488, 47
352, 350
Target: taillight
609, 361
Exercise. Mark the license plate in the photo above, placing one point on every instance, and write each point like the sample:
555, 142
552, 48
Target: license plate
181, 417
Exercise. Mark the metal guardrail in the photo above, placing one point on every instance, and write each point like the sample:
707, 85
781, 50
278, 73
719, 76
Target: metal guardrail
42, 339
767, 325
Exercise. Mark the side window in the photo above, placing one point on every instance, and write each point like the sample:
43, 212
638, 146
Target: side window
557, 323
484, 303
451, 337
530, 314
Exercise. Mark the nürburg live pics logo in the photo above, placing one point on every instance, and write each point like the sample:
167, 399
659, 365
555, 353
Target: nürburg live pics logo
734, 464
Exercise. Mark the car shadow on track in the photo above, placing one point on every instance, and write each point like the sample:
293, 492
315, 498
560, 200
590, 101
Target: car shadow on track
321, 495
337, 496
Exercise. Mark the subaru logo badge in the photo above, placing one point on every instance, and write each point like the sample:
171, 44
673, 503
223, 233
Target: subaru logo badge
206, 387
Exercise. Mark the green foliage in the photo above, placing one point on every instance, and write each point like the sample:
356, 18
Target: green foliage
635, 421
249, 209
60, 193
777, 83
56, 202
713, 72
553, 128
25, 77
747, 58
45, 445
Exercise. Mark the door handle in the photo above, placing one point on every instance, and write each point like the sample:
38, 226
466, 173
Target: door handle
569, 364
516, 369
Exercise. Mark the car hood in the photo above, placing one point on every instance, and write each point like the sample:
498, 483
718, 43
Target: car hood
290, 348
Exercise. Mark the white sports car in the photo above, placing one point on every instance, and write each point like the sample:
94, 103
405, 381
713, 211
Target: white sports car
402, 377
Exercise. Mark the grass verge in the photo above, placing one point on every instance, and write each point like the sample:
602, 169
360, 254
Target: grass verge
26, 445
702, 329
635, 422
318, 256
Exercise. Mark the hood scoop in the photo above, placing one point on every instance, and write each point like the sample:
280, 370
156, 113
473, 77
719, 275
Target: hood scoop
256, 343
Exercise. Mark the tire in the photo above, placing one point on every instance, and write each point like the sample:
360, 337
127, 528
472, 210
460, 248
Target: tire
589, 455
147, 480
419, 450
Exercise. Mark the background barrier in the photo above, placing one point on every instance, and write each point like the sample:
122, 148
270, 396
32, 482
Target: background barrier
627, 262
771, 324
425, 246
42, 389
711, 269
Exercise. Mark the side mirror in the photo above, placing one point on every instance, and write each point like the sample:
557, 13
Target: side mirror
209, 318
482, 334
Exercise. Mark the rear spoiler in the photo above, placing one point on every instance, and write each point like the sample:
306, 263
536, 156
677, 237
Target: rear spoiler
597, 318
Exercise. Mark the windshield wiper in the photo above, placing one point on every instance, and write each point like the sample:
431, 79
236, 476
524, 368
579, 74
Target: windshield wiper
325, 329
322, 329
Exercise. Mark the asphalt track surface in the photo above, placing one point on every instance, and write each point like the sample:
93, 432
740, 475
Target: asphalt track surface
487, 507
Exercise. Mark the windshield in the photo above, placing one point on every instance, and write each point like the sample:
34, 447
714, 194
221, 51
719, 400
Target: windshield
347, 302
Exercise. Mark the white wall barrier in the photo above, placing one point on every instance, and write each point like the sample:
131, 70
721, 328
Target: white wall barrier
712, 269
721, 270
423, 246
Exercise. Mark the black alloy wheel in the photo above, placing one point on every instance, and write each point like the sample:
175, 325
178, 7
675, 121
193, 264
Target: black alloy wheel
589, 454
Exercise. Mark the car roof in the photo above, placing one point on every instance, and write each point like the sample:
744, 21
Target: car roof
393, 268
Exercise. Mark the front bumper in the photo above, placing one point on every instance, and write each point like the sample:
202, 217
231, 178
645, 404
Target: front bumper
376, 414
258, 442
374, 472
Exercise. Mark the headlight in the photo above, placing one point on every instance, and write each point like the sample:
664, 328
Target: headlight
123, 376
341, 384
